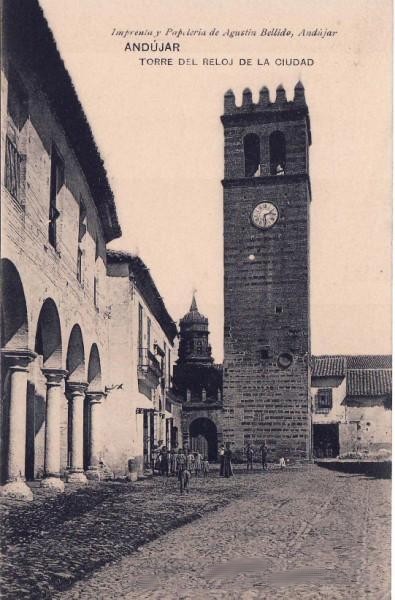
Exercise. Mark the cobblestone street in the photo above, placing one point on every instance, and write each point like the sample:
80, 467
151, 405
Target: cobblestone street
299, 533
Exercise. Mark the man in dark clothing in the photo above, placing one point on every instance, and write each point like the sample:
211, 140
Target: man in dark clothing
164, 462
228, 471
264, 451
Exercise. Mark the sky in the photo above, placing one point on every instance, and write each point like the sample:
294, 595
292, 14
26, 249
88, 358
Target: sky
158, 130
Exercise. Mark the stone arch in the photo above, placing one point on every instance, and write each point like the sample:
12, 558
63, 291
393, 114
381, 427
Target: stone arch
94, 370
252, 154
48, 335
14, 322
75, 360
203, 436
94, 385
278, 153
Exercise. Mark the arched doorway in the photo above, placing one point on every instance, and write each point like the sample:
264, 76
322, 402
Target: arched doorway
75, 365
48, 345
14, 336
75, 362
94, 386
13, 308
48, 336
203, 437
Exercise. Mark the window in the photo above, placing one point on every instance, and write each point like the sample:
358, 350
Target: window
278, 310
81, 234
17, 100
323, 401
79, 264
12, 169
57, 181
168, 368
148, 333
252, 155
277, 153
97, 248
140, 332
199, 347
95, 293
166, 365
82, 226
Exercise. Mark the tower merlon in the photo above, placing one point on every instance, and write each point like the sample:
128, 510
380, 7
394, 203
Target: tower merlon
299, 98
281, 96
264, 111
264, 104
229, 102
247, 99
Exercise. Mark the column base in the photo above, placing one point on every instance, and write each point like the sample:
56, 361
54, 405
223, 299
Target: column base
76, 477
17, 490
93, 474
52, 483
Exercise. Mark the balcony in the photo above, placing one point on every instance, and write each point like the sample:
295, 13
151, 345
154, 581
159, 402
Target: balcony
149, 371
171, 398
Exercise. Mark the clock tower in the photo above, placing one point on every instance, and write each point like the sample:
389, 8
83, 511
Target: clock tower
266, 273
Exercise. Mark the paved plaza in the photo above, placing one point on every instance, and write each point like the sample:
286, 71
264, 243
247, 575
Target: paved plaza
304, 533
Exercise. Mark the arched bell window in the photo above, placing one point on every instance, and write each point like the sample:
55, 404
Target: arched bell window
252, 155
278, 155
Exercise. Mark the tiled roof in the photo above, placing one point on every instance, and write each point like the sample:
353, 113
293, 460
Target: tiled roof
373, 361
327, 366
369, 382
146, 285
336, 365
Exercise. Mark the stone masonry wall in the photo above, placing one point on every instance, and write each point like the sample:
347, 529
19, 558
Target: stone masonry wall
46, 272
267, 298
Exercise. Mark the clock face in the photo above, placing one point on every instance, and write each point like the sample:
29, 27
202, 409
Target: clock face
264, 215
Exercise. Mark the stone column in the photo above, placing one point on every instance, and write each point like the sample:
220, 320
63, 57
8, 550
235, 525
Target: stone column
52, 430
76, 395
95, 401
15, 486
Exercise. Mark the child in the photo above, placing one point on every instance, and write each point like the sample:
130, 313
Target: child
205, 467
183, 474
250, 457
190, 461
198, 463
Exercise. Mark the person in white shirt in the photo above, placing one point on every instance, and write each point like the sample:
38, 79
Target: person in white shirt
221, 460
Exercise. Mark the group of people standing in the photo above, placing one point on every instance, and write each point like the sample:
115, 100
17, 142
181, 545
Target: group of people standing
225, 457
171, 462
225, 461
184, 463
250, 453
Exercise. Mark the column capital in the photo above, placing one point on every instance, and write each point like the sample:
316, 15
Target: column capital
76, 388
95, 397
54, 376
18, 359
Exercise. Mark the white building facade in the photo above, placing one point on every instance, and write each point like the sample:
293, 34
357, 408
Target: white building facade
142, 339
